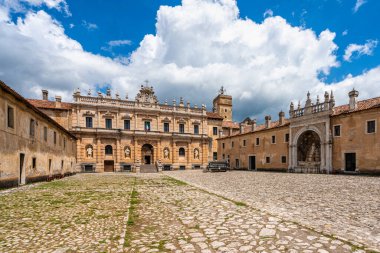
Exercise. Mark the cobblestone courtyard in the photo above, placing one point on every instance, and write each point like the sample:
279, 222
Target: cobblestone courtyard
156, 213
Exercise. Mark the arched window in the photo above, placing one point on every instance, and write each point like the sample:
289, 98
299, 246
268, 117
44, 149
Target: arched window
181, 152
108, 150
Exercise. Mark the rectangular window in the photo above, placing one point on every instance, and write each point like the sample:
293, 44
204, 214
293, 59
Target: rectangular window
196, 129
147, 126
237, 163
45, 133
64, 142
55, 138
34, 162
181, 128
109, 123
11, 117
232, 144
337, 131
215, 156
283, 159
371, 127
273, 139
257, 141
223, 145
166, 127
127, 124
215, 131
286, 137
224, 156
32, 125
267, 159
89, 122
244, 143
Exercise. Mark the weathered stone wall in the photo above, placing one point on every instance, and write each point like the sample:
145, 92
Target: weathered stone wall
355, 139
50, 158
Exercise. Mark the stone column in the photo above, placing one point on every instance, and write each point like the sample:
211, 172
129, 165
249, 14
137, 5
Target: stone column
118, 154
99, 160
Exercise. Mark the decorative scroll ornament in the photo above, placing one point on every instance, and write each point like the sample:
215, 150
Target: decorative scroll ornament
146, 95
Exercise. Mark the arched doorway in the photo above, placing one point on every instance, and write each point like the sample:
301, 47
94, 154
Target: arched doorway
309, 151
147, 154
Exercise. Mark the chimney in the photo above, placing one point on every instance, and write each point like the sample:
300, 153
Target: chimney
353, 95
58, 100
241, 125
281, 116
267, 121
45, 94
254, 125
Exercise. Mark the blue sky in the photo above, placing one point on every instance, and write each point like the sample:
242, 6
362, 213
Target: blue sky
194, 45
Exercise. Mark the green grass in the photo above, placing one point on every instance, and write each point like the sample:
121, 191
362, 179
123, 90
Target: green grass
132, 215
175, 181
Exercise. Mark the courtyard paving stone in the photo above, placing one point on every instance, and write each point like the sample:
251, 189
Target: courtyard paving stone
345, 206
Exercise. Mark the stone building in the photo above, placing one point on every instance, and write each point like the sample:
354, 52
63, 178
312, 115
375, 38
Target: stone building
317, 138
33, 146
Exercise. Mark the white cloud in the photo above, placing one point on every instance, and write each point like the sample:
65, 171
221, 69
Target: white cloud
19, 5
345, 32
359, 50
268, 13
89, 26
198, 46
358, 4
117, 43
71, 26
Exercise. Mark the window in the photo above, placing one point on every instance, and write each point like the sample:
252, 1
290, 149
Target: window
215, 131
89, 122
108, 150
371, 126
225, 110
244, 143
286, 137
273, 139
237, 163
166, 127
55, 137
196, 129
127, 124
232, 144
267, 159
45, 133
182, 152
34, 162
181, 167
147, 126
215, 156
181, 128
61, 164
283, 159
32, 125
223, 145
109, 123
257, 141
337, 131
11, 117
223, 156
64, 142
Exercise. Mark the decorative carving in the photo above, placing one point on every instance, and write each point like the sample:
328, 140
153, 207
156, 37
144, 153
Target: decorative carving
89, 151
127, 152
146, 95
89, 113
166, 153
196, 153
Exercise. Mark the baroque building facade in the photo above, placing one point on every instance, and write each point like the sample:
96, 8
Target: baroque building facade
317, 138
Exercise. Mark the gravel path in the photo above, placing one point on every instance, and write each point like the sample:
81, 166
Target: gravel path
346, 206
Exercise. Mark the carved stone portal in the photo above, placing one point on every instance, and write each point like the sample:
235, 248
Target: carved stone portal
309, 149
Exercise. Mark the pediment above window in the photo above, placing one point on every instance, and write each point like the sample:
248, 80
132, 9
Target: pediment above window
166, 120
89, 114
108, 114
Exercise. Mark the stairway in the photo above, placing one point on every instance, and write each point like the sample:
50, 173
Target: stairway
148, 168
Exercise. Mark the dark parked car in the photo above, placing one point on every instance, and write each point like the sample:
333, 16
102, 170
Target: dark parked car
218, 166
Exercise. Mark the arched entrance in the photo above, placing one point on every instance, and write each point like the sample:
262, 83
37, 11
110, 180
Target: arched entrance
309, 151
147, 154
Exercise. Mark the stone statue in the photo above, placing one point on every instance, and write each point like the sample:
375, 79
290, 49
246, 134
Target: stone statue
127, 152
166, 153
311, 155
89, 151
196, 153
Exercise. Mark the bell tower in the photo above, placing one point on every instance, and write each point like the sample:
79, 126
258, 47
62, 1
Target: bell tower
222, 105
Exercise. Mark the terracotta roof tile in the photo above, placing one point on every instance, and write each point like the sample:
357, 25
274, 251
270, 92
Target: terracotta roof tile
45, 104
362, 105
213, 115
230, 124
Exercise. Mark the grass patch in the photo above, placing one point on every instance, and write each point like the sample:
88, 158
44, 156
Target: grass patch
132, 215
175, 181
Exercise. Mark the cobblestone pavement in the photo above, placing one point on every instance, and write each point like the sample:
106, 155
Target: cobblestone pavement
83, 213
346, 206
145, 213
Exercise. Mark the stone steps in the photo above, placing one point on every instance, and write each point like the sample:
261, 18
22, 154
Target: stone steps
148, 168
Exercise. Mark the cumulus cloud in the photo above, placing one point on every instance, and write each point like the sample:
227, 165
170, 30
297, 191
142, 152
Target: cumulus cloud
355, 50
22, 5
198, 47
358, 4
268, 13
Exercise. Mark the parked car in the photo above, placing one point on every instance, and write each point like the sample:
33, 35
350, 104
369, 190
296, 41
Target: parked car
217, 166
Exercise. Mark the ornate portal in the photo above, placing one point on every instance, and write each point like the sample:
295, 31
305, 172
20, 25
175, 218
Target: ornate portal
309, 150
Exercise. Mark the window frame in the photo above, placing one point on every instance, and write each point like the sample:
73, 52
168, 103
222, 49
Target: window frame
166, 127
340, 130
366, 126
287, 138
127, 124
91, 121
32, 128
108, 148
257, 143
282, 159
196, 129
267, 160
147, 126
180, 153
273, 139
10, 108
55, 138
244, 143
215, 131
45, 133
106, 121
181, 128
214, 156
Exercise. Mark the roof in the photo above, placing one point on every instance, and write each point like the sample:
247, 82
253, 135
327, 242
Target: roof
46, 104
214, 115
230, 124
362, 105
259, 128
9, 90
